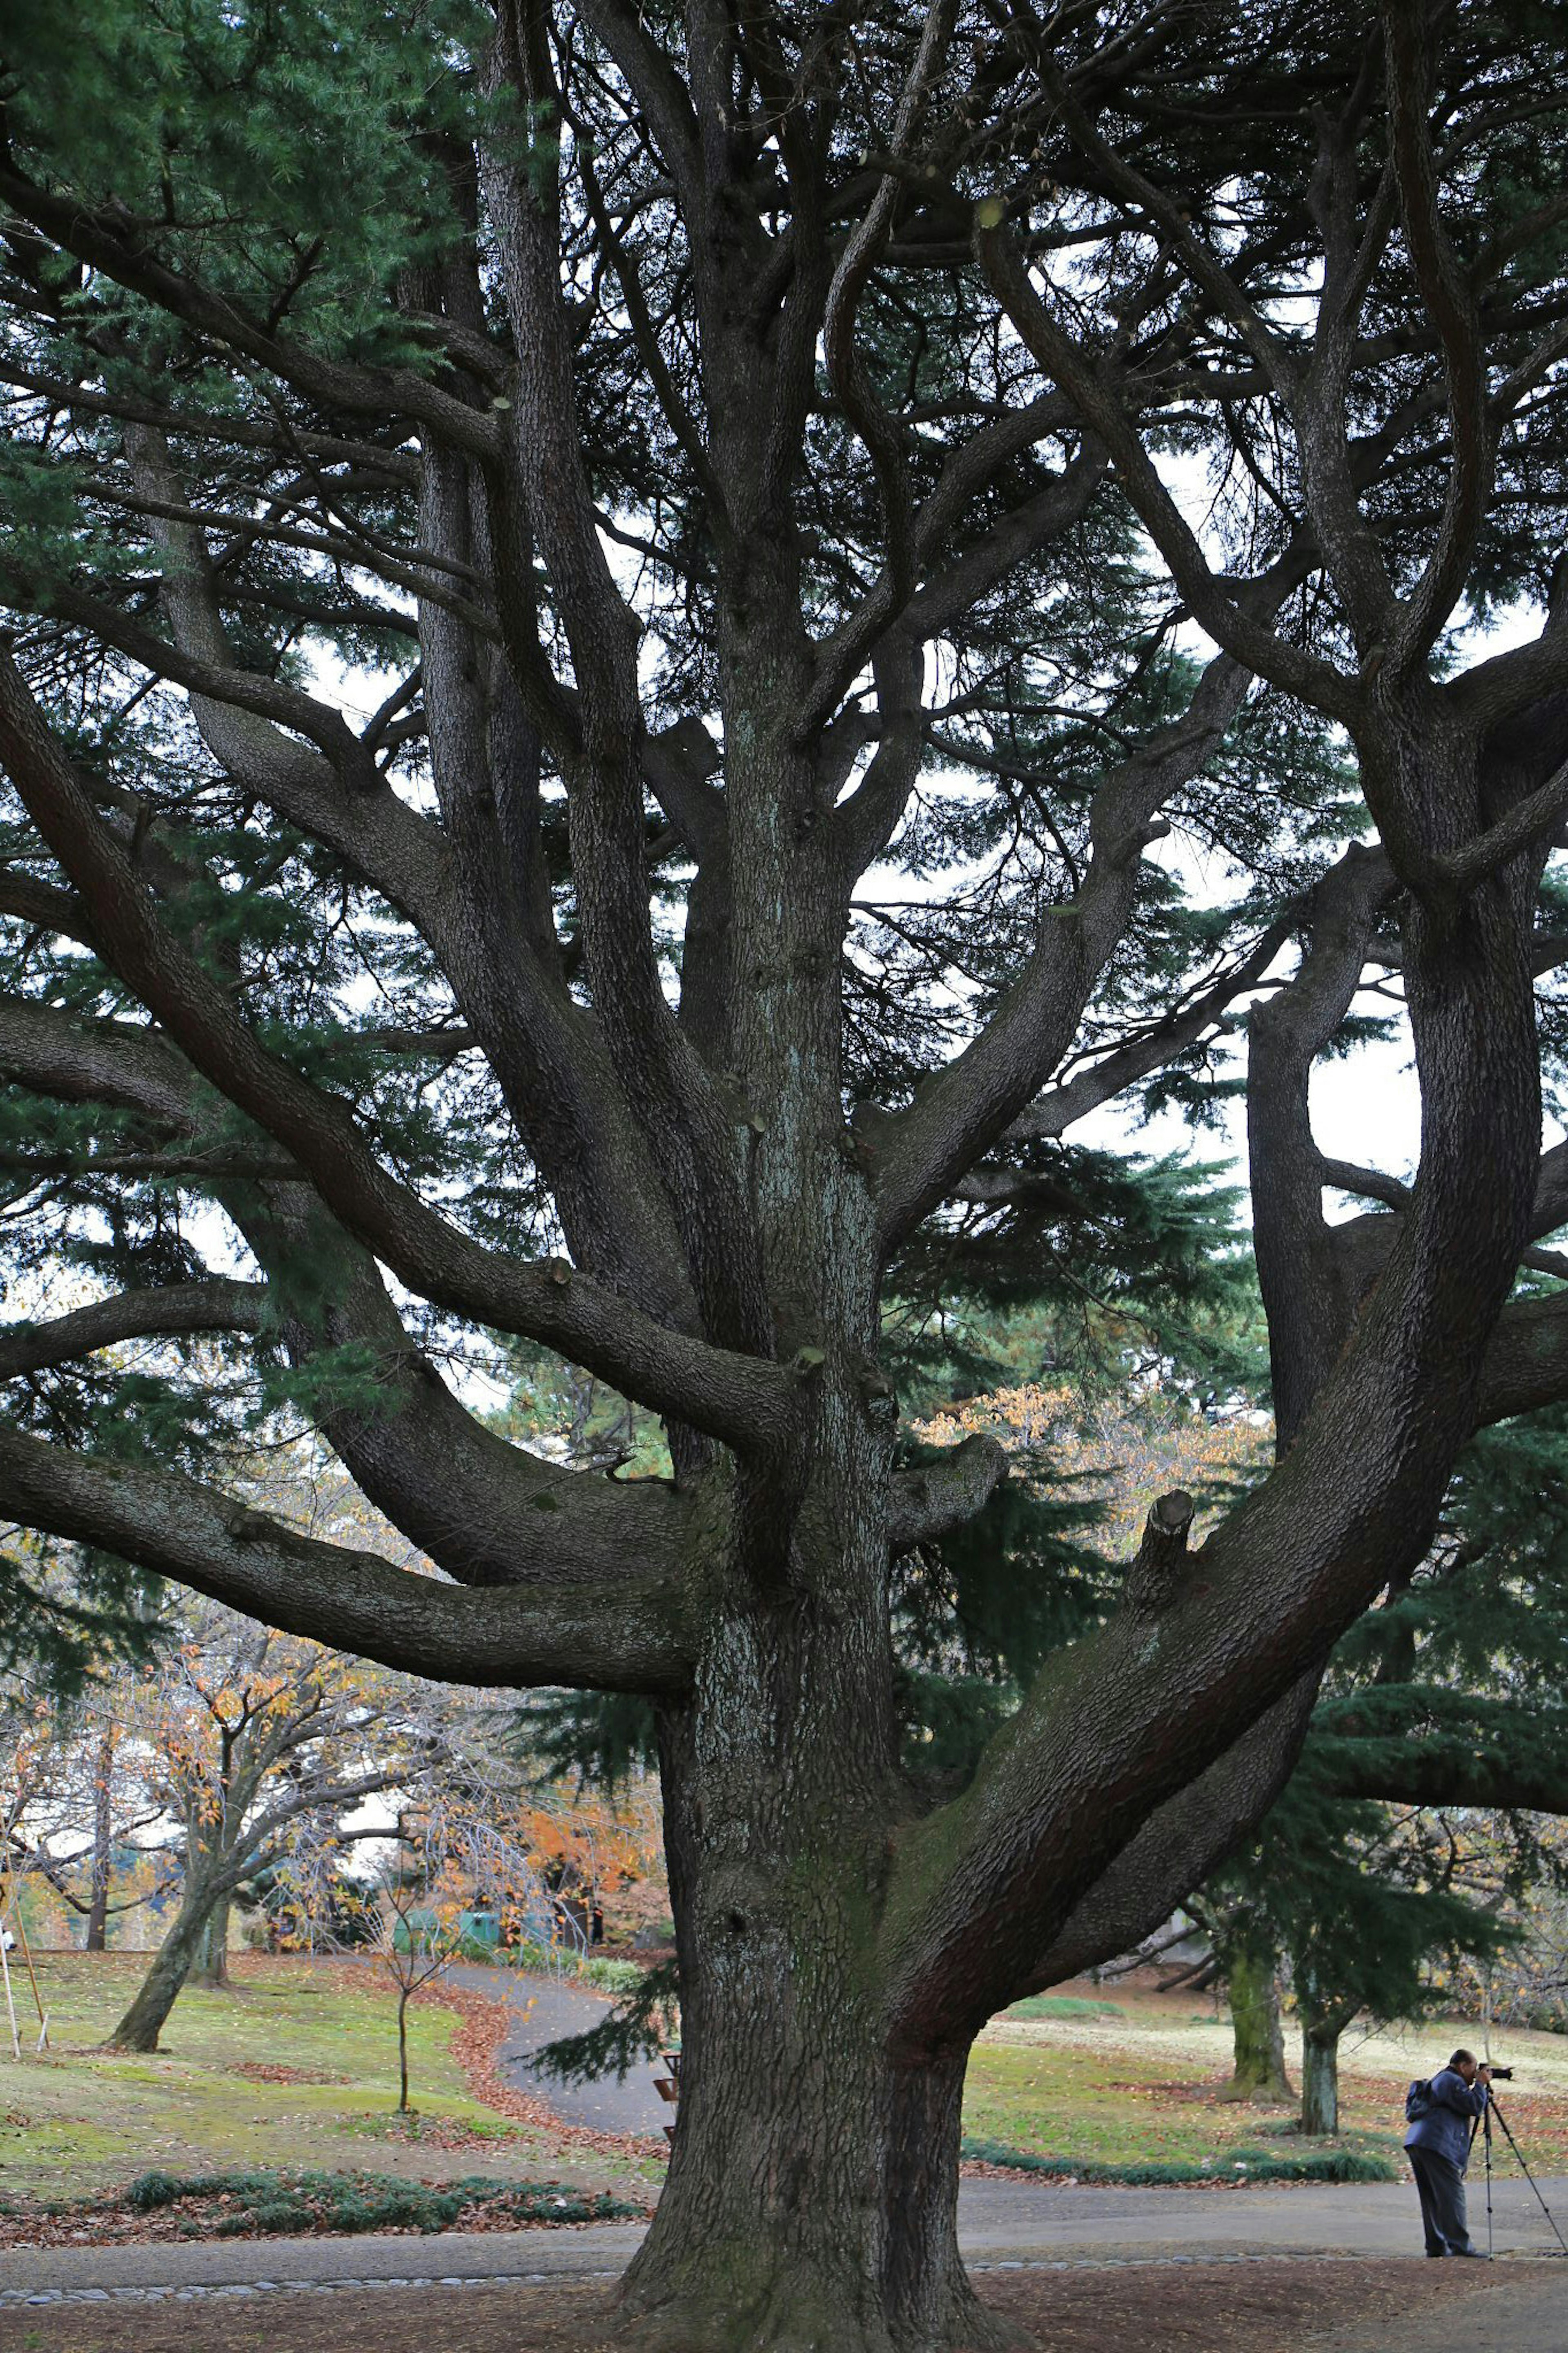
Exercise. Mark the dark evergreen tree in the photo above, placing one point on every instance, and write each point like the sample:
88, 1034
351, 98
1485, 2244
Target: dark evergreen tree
1366, 1903
604, 614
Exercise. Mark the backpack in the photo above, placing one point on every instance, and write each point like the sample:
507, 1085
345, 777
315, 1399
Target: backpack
1419, 2099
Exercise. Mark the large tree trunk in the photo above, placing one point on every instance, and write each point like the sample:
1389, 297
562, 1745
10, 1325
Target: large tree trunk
1253, 1980
812, 2194
155, 1997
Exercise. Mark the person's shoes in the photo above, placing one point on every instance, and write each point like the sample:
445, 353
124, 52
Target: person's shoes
1478, 2254
1437, 2252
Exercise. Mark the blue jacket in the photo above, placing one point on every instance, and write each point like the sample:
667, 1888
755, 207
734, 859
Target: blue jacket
1445, 2127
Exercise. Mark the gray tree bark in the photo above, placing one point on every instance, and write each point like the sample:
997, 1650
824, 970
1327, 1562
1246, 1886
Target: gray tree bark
1320, 2072
143, 2024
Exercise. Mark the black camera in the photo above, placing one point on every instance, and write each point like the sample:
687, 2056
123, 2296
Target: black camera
1502, 2074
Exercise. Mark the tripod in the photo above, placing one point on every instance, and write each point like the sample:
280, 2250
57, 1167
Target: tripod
1484, 2124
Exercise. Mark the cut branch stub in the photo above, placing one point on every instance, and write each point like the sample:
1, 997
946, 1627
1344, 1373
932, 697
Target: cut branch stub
1156, 1570
941, 1496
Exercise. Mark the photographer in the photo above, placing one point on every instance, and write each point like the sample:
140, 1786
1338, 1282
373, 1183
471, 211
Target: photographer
1438, 2146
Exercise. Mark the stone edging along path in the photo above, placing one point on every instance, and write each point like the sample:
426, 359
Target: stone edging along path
233, 2291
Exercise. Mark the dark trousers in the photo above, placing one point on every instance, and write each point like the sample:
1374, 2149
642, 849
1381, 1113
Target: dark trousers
1440, 2186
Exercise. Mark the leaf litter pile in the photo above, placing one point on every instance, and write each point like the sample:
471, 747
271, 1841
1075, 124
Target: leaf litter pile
305, 2203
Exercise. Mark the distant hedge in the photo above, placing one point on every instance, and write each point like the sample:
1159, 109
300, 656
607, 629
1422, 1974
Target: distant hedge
1241, 2166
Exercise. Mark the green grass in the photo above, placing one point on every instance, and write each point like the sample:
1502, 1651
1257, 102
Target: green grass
1074, 2087
1110, 2092
80, 2119
1109, 2099
1064, 2005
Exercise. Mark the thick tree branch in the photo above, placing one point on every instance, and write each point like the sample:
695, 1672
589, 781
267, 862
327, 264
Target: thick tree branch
395, 466
735, 1398
1538, 815
847, 370
1526, 1362
1175, 1850
1359, 1242
116, 1062
43, 907
119, 248
1248, 641
487, 1511
1053, 1113
354, 1600
238, 690
1298, 1269
1416, 1745
963, 1110
1131, 1715
675, 1104
175, 1311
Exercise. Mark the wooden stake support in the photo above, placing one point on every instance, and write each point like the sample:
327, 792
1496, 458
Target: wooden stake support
10, 1901
10, 2004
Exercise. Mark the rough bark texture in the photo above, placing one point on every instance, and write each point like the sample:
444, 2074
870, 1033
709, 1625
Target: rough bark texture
813, 2184
1320, 2074
210, 1968
144, 2021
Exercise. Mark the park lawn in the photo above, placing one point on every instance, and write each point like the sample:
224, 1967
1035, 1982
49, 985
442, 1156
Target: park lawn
80, 2120
1124, 2090
1068, 2077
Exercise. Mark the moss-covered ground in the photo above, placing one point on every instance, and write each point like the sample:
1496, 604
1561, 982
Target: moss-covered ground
1057, 2077
296, 2066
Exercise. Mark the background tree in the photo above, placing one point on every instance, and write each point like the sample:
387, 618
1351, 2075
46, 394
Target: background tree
242, 1735
1371, 1924
533, 532
1374, 1910
415, 1911
77, 1807
1245, 1940
414, 1938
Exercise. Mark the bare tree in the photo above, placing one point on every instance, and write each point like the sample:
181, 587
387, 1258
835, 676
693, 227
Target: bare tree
242, 1737
70, 1806
420, 1903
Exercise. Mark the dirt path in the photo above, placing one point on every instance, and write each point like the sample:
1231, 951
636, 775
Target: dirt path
1246, 2307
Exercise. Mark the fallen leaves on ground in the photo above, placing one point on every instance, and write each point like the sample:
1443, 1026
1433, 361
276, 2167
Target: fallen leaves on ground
1268, 2307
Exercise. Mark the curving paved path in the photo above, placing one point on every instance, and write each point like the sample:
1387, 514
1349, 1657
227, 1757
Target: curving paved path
544, 2008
